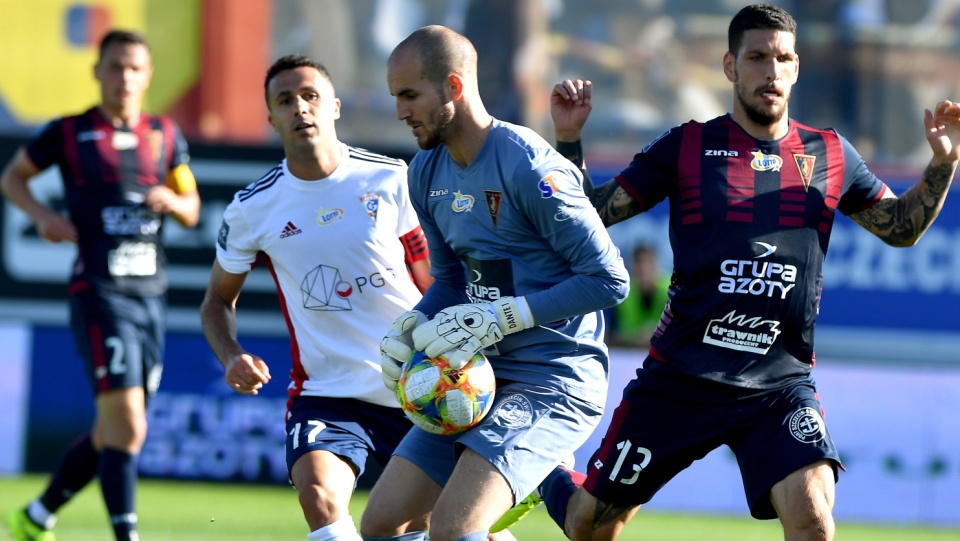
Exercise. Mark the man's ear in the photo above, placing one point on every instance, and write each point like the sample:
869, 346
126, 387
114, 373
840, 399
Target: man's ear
455, 82
730, 66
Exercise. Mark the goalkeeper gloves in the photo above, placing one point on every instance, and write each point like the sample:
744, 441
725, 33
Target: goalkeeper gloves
460, 331
396, 347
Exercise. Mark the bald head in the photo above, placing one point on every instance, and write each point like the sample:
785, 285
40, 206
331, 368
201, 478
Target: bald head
441, 51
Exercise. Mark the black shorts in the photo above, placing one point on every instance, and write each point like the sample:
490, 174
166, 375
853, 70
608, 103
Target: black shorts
121, 338
346, 427
667, 420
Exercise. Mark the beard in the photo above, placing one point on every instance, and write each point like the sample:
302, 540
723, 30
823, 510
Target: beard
442, 119
763, 116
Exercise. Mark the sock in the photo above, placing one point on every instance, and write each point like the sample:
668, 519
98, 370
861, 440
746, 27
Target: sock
557, 489
118, 482
338, 530
409, 536
77, 467
40, 515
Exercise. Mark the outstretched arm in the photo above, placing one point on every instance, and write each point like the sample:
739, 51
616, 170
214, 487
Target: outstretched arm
570, 106
901, 221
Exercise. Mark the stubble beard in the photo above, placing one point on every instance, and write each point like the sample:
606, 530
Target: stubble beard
442, 119
761, 116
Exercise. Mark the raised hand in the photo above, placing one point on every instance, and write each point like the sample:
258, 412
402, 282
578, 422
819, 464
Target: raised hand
570, 106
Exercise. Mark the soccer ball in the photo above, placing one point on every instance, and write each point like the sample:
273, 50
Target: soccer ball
444, 400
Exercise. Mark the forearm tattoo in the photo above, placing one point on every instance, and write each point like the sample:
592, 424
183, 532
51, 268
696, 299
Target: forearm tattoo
612, 202
901, 221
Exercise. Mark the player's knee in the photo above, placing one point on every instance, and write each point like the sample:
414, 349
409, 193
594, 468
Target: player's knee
321, 505
815, 523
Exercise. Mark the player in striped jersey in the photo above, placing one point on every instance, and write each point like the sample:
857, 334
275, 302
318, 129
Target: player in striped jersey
523, 269
753, 196
122, 171
334, 226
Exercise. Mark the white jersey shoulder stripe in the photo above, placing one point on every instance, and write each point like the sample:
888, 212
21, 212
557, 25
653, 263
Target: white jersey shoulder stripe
265, 182
367, 156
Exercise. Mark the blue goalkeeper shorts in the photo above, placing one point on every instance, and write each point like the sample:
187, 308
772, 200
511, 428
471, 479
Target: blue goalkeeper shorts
527, 432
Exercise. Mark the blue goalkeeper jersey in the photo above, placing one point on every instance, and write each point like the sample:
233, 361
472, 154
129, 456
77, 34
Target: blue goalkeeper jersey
516, 222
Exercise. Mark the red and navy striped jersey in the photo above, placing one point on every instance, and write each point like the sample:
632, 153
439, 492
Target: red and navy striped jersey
750, 222
106, 174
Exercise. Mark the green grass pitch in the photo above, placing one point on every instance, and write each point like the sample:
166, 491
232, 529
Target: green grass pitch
188, 511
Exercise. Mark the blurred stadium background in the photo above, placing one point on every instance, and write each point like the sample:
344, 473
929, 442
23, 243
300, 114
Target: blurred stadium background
889, 337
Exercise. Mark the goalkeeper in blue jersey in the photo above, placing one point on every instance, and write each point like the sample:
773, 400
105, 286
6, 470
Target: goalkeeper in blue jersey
523, 267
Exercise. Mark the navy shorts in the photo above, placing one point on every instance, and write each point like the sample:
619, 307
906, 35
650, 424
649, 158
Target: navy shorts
667, 420
121, 338
346, 427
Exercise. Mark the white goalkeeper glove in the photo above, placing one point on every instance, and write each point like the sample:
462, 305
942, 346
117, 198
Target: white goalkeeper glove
396, 347
461, 331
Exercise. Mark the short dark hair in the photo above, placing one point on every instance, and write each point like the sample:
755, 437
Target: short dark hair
121, 36
758, 17
289, 62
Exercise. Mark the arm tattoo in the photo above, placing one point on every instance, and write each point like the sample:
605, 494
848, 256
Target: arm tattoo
606, 513
901, 221
612, 202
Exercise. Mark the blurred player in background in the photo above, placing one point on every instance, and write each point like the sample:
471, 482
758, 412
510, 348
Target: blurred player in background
335, 227
523, 268
753, 195
122, 171
635, 319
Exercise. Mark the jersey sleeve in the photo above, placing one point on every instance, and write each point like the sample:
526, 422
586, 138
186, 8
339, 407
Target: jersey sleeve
648, 178
861, 188
46, 148
181, 150
237, 248
552, 193
407, 220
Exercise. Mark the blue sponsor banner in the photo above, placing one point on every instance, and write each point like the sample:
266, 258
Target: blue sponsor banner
198, 427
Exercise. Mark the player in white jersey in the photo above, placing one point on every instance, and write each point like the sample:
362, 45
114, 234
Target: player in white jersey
335, 227
523, 267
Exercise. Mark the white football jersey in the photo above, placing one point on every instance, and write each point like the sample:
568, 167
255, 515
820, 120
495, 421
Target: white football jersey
333, 247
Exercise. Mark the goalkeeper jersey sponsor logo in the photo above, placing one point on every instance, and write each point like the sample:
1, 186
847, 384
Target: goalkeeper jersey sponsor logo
489, 279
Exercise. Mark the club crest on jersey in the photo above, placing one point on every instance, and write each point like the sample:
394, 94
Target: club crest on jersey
371, 202
548, 187
805, 166
462, 203
493, 203
765, 162
329, 216
155, 142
